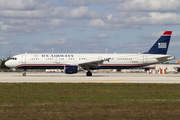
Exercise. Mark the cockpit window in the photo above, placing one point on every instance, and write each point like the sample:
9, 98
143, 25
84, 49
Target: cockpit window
13, 58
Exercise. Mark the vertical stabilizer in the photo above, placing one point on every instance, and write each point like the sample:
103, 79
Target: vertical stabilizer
161, 45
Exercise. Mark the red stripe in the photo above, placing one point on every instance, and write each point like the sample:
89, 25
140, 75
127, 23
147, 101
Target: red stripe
167, 33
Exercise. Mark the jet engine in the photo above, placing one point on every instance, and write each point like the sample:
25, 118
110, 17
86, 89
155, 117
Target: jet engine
69, 69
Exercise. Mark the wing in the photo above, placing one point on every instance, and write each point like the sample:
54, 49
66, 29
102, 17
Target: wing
92, 64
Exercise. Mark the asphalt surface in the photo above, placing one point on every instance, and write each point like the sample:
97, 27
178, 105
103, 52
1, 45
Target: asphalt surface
37, 77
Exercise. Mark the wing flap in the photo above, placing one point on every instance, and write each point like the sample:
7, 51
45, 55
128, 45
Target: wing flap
92, 64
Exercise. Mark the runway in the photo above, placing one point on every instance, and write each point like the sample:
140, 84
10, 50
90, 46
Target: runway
32, 77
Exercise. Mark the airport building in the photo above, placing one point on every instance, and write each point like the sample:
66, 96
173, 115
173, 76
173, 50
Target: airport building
169, 68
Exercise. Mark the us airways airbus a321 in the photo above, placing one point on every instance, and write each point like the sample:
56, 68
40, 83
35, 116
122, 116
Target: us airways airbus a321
71, 63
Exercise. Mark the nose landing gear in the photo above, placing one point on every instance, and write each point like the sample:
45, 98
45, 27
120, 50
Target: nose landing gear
24, 73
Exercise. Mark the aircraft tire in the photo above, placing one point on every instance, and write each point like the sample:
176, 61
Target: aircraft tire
24, 74
89, 73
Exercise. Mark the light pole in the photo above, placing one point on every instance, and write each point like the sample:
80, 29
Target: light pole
106, 51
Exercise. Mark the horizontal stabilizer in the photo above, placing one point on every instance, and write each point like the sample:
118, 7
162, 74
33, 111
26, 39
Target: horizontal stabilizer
165, 58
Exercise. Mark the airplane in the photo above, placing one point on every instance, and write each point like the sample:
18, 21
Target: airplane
72, 63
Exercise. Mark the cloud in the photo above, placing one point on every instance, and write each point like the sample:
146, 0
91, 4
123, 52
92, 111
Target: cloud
156, 35
89, 46
83, 13
79, 12
68, 45
50, 42
31, 17
40, 17
24, 4
30, 25
134, 47
96, 23
4, 43
2, 38
108, 25
100, 36
59, 33
175, 44
149, 5
135, 20
176, 34
88, 2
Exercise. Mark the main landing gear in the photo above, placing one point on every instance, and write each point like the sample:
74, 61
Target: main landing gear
89, 73
24, 72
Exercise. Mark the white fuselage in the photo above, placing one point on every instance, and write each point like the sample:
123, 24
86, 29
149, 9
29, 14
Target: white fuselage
59, 60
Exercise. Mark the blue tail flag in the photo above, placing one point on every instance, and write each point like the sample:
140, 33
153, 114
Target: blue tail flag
161, 45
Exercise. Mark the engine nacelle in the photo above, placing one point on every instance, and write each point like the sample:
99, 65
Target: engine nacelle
69, 69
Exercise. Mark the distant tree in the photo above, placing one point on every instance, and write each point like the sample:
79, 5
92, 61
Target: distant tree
3, 66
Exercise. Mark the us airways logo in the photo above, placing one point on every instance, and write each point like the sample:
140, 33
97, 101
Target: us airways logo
57, 55
162, 45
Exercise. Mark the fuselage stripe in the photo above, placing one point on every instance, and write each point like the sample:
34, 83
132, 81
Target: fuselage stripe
31, 65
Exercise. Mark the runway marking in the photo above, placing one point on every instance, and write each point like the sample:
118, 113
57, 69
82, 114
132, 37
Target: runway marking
119, 80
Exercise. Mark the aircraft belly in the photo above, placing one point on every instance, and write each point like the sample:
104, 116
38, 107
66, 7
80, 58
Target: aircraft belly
125, 66
25, 66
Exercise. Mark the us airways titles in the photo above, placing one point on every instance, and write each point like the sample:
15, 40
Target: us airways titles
57, 55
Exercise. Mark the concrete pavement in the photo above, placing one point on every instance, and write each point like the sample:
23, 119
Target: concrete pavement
32, 77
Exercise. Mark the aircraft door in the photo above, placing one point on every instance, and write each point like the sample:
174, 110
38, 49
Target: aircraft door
144, 58
57, 60
23, 59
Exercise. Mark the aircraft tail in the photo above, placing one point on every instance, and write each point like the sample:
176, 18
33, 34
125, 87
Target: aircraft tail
161, 45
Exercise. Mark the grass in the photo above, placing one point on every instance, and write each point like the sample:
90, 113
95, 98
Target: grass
53, 101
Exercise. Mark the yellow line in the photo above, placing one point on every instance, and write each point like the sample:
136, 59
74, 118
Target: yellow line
119, 80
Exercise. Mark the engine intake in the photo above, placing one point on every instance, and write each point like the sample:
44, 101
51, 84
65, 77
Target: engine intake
70, 69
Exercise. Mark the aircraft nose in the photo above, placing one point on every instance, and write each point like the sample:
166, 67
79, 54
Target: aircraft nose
7, 63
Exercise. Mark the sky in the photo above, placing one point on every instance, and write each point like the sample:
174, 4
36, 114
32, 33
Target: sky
87, 26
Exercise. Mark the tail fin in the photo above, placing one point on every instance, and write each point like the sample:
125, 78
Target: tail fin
161, 45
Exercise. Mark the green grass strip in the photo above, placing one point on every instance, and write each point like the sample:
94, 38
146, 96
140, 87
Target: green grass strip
28, 101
